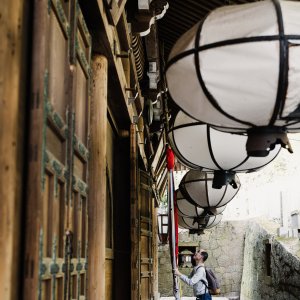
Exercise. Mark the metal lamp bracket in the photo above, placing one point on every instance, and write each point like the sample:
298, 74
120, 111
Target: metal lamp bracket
121, 54
133, 90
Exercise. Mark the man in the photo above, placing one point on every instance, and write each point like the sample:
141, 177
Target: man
197, 278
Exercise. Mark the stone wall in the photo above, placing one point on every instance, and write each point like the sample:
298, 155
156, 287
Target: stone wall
165, 278
282, 280
225, 247
248, 259
224, 244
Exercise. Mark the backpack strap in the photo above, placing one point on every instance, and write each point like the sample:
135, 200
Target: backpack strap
206, 286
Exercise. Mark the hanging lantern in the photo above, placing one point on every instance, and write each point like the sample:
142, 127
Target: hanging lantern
196, 187
186, 259
197, 225
239, 70
188, 209
163, 227
200, 146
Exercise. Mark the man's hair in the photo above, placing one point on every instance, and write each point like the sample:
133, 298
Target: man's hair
204, 254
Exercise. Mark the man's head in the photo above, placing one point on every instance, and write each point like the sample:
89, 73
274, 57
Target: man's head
200, 256
204, 255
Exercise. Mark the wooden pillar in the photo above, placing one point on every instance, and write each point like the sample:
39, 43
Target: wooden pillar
134, 215
97, 180
13, 32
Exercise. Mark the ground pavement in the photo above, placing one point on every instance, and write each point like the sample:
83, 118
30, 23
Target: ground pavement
193, 298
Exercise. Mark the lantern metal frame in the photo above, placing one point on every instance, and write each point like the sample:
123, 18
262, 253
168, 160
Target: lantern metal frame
277, 120
202, 223
188, 152
206, 178
193, 210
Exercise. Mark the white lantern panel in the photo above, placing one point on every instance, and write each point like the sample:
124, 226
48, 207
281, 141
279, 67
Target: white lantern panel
232, 74
184, 87
187, 209
237, 21
181, 223
186, 42
293, 91
213, 221
200, 146
196, 186
241, 57
229, 151
197, 192
163, 223
190, 142
290, 15
190, 223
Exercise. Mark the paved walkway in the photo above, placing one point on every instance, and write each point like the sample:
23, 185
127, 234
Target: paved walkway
192, 298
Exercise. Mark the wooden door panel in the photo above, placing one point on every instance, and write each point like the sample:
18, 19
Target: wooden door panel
81, 106
58, 60
80, 156
62, 201
146, 229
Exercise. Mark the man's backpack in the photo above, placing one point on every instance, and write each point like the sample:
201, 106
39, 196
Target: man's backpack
213, 283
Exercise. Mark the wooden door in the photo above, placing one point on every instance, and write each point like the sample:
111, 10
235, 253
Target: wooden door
146, 205
57, 201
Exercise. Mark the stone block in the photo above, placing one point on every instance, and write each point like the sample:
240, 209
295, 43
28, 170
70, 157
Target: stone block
293, 233
282, 231
162, 260
217, 252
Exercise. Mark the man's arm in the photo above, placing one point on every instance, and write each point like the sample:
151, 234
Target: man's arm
194, 279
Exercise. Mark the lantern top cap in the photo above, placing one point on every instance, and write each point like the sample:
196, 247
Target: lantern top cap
186, 252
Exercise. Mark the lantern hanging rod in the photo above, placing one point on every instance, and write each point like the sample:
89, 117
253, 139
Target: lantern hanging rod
263, 139
222, 178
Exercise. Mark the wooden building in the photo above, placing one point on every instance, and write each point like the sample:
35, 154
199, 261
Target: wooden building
81, 170
82, 157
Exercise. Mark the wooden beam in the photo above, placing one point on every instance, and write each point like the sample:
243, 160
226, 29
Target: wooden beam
97, 180
34, 213
117, 10
134, 214
13, 31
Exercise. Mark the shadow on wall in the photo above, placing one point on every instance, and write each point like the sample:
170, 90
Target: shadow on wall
225, 246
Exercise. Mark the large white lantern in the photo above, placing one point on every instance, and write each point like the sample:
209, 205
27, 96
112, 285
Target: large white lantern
197, 225
196, 187
239, 70
200, 146
186, 208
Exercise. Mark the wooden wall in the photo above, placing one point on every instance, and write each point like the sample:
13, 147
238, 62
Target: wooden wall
13, 33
